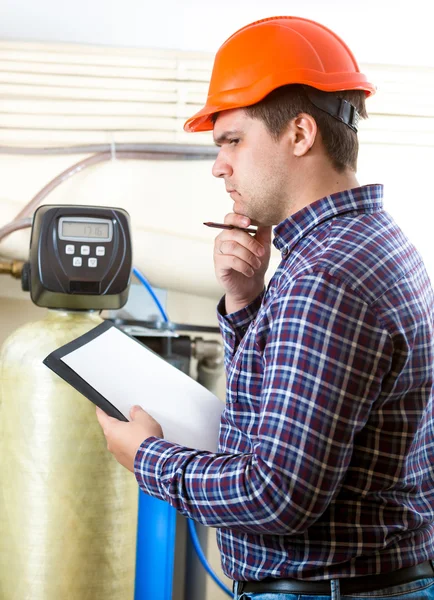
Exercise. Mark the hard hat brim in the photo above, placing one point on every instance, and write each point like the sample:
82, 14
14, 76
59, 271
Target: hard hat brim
202, 120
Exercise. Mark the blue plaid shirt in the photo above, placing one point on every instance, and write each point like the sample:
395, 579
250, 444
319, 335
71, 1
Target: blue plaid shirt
325, 463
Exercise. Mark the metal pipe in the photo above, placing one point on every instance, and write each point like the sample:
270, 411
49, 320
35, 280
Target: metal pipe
14, 268
208, 352
189, 151
210, 356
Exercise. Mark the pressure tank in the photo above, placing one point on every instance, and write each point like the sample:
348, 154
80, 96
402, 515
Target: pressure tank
68, 510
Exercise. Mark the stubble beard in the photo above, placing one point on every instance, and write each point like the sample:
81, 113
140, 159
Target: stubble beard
266, 211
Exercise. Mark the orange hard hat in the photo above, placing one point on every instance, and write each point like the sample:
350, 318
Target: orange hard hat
273, 52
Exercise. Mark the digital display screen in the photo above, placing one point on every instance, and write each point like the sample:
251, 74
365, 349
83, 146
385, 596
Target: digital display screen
85, 230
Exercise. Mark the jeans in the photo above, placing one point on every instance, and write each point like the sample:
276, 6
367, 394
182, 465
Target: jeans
422, 589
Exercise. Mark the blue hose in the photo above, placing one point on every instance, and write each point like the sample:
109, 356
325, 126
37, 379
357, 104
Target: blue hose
191, 526
148, 286
202, 558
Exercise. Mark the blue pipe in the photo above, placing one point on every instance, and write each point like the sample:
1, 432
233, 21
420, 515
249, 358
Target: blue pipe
156, 527
156, 531
155, 556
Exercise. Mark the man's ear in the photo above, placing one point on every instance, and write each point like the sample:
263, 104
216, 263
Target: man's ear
303, 132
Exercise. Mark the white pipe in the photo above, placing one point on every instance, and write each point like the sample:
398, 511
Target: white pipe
15, 225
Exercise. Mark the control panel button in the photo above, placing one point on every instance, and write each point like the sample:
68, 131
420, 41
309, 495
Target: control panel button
85, 250
70, 249
76, 261
100, 251
92, 262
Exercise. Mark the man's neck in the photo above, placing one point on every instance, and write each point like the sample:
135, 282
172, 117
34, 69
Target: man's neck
330, 182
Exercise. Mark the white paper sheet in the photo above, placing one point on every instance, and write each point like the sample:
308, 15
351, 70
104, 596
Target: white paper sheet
127, 373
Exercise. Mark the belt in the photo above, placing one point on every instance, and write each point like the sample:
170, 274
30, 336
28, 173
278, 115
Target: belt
349, 585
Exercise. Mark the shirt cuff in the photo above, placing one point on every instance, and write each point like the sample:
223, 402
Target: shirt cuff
234, 325
149, 463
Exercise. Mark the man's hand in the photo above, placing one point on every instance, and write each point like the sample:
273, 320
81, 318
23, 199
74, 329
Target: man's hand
240, 261
124, 439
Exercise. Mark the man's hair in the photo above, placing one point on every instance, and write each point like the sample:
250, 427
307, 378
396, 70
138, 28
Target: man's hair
285, 103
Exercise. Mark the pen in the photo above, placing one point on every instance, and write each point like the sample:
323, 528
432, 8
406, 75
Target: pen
223, 226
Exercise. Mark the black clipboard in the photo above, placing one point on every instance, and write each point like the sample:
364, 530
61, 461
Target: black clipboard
119, 372
54, 362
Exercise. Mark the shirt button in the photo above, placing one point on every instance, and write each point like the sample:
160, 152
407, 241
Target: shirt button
285, 251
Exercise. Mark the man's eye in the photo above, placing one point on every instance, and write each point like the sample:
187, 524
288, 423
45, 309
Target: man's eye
234, 141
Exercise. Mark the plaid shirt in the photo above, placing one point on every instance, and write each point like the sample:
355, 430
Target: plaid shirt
325, 464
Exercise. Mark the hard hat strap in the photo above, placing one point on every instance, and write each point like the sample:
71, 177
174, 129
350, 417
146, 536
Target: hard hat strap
340, 109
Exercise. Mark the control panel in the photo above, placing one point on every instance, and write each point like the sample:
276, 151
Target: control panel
80, 257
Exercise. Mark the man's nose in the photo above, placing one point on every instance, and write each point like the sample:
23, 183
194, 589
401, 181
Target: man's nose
221, 167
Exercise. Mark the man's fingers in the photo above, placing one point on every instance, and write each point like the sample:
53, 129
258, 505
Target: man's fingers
237, 220
242, 267
137, 412
229, 262
231, 250
104, 419
258, 241
100, 415
227, 242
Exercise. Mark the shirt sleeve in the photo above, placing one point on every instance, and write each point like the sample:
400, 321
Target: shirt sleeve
233, 326
324, 361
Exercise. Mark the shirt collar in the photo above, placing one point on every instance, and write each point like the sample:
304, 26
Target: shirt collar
365, 199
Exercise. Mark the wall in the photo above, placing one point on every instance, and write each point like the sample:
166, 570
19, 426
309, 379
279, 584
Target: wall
56, 95
63, 95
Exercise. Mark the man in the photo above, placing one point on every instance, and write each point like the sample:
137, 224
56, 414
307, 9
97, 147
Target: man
323, 484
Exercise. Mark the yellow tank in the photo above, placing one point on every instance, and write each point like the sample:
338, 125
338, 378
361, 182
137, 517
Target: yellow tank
68, 510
